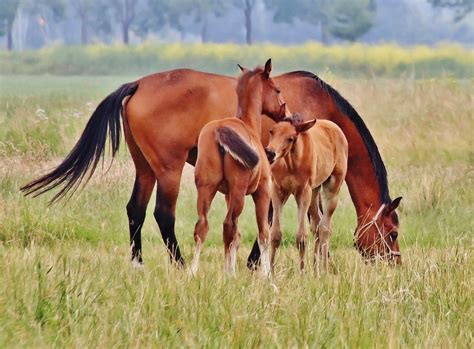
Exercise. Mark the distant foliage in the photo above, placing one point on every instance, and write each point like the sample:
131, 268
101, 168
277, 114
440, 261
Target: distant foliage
461, 8
347, 60
343, 19
350, 20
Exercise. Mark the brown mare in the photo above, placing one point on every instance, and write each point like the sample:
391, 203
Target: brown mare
308, 159
231, 159
155, 109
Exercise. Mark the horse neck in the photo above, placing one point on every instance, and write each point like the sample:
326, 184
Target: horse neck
363, 185
249, 111
361, 177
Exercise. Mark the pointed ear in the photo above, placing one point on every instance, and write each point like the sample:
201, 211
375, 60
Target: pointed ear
268, 68
394, 204
305, 126
242, 69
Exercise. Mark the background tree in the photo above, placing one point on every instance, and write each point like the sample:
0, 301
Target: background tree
201, 11
309, 11
8, 10
460, 7
247, 7
349, 19
93, 16
125, 12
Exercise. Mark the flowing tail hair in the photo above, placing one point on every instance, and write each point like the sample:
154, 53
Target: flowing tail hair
89, 149
237, 147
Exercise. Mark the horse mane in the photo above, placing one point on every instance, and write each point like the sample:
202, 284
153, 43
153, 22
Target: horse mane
346, 108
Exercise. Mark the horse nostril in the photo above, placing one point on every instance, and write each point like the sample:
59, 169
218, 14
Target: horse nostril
270, 155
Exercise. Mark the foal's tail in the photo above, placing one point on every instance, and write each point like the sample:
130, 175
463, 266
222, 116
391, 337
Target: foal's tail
237, 147
89, 149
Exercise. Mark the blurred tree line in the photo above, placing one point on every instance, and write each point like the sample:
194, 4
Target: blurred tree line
39, 22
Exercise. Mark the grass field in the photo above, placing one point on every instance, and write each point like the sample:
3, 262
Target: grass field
66, 280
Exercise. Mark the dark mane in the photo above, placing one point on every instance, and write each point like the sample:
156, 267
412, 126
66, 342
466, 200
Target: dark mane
346, 108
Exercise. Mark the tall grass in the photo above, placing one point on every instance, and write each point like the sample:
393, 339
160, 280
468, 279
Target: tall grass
66, 279
349, 60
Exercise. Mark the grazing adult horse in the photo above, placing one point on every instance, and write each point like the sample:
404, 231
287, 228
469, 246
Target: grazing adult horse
231, 159
307, 158
154, 110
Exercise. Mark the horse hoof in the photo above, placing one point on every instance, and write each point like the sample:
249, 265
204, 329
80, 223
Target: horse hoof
137, 264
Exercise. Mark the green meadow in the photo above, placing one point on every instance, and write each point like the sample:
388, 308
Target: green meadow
66, 280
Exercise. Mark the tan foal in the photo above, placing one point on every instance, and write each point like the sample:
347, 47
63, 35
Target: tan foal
231, 159
307, 158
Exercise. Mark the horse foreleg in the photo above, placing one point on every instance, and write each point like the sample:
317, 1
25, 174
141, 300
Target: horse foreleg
254, 258
303, 199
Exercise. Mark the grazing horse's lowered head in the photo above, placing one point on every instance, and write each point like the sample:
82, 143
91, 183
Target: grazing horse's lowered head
376, 235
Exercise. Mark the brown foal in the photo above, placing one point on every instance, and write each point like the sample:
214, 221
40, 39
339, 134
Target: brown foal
307, 157
231, 159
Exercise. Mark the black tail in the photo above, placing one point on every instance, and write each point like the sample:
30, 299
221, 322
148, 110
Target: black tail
87, 152
237, 147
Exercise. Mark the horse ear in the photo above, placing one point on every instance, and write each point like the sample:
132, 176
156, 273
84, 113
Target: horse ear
305, 126
268, 68
394, 204
242, 69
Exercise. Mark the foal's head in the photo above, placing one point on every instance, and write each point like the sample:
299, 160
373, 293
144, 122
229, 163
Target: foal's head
283, 136
255, 87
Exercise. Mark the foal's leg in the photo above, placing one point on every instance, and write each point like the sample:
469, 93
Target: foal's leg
261, 198
330, 195
235, 205
205, 196
278, 200
303, 199
315, 214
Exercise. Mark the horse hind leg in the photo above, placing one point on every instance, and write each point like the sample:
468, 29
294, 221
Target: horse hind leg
330, 196
315, 215
142, 189
205, 196
136, 211
165, 210
231, 234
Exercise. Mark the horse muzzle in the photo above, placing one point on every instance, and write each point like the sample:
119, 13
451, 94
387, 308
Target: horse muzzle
270, 155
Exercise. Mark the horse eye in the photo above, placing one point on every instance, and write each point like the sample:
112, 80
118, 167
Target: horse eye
394, 235
271, 132
291, 139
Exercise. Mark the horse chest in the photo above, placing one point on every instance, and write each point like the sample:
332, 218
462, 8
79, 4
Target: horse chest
289, 182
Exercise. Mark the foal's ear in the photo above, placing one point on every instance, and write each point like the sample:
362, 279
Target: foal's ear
394, 204
242, 69
268, 68
305, 126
